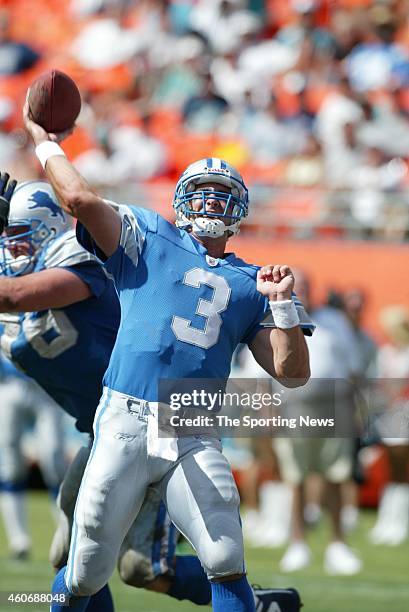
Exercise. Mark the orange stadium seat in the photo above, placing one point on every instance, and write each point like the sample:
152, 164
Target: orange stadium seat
79, 142
51, 32
188, 147
265, 173
118, 78
165, 124
315, 95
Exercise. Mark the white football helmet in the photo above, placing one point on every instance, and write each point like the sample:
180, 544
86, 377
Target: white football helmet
203, 223
35, 219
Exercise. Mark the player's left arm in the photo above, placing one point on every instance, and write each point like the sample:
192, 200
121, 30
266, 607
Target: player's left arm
53, 288
283, 353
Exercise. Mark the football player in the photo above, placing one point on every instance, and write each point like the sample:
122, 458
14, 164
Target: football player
47, 283
162, 274
22, 398
38, 240
25, 403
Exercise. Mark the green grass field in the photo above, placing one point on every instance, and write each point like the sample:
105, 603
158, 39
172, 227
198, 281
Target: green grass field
382, 585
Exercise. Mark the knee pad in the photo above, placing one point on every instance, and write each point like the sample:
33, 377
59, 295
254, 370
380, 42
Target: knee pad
223, 561
92, 570
222, 557
135, 568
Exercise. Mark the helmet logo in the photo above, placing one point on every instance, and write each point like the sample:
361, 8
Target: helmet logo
41, 199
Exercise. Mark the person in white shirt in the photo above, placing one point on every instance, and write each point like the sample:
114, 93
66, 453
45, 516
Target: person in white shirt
334, 361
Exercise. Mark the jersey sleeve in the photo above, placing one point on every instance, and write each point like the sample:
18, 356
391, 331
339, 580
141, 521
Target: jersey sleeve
68, 254
135, 224
64, 252
8, 370
93, 275
265, 319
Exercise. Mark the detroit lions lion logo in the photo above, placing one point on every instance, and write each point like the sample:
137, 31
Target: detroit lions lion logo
41, 199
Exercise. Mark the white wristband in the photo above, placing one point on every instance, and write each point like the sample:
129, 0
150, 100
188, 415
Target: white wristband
48, 149
285, 314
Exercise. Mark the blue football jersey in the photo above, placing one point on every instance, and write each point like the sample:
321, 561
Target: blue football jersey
7, 370
67, 350
182, 312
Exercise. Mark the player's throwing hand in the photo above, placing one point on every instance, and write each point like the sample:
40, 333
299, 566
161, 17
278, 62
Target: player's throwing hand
275, 282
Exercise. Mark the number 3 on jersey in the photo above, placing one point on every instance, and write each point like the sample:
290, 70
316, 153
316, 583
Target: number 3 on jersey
209, 309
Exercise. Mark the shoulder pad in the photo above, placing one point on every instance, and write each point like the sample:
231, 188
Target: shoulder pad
66, 251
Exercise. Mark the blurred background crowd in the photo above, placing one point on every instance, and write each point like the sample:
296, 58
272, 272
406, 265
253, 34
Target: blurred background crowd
309, 99
288, 480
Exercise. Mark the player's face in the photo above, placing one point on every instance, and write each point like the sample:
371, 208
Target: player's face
208, 202
19, 246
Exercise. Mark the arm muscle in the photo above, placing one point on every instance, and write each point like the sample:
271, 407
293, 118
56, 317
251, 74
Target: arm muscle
79, 200
283, 354
53, 288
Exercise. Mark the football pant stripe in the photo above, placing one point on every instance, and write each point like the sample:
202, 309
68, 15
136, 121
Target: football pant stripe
70, 565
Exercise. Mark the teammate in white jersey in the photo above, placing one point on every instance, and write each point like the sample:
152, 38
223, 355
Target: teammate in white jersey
185, 305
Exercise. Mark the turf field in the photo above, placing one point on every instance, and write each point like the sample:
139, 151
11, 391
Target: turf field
383, 585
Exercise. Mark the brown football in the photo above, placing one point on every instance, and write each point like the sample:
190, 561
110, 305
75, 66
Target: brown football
54, 101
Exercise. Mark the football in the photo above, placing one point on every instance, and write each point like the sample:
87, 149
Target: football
54, 101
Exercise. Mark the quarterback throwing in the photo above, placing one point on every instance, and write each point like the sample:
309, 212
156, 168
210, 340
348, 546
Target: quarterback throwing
185, 306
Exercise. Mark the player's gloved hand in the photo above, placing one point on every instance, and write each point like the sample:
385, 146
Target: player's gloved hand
7, 188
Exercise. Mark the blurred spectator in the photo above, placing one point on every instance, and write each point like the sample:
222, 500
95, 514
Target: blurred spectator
224, 23
392, 526
304, 34
269, 139
332, 361
386, 126
15, 56
129, 154
260, 61
282, 75
336, 124
306, 169
266, 498
354, 302
377, 62
373, 181
203, 112
181, 79
105, 43
8, 144
227, 78
24, 402
84, 8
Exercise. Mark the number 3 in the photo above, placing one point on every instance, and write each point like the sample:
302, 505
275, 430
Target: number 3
209, 309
